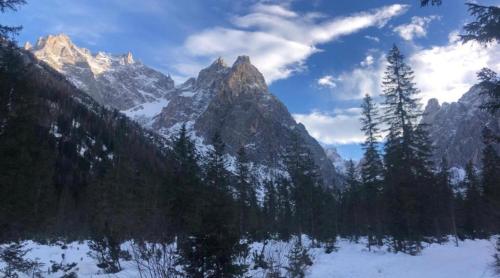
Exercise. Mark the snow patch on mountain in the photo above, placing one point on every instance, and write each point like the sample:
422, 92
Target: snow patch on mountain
117, 81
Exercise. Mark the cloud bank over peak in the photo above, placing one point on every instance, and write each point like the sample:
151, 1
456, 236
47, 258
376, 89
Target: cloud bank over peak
279, 40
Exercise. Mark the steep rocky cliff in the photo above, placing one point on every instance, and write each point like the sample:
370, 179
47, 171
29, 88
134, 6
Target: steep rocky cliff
456, 128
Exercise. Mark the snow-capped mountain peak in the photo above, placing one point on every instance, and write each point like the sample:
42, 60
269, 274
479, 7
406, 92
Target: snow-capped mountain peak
117, 81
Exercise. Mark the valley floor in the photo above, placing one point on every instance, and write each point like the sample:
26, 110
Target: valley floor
471, 259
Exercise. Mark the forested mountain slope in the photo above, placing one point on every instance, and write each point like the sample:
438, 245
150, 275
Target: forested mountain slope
68, 165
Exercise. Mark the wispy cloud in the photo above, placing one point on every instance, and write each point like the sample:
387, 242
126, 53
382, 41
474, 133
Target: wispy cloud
327, 81
416, 28
372, 38
339, 127
278, 39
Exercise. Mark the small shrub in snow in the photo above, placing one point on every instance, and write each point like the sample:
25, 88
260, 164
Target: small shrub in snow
298, 261
13, 256
155, 260
106, 250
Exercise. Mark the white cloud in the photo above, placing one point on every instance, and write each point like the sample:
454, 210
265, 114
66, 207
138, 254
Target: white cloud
416, 28
372, 38
341, 127
277, 39
367, 61
327, 81
447, 72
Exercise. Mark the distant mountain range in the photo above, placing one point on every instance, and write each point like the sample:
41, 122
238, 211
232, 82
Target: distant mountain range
233, 101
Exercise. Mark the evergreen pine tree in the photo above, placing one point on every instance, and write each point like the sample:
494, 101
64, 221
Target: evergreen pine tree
371, 173
304, 177
407, 153
212, 250
182, 199
298, 261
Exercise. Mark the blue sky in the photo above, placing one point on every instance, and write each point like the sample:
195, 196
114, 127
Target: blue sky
319, 56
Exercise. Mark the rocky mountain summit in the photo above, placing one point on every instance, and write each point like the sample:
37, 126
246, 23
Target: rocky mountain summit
116, 81
233, 101
455, 128
236, 103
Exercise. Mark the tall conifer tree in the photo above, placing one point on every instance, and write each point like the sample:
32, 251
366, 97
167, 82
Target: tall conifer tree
371, 172
407, 153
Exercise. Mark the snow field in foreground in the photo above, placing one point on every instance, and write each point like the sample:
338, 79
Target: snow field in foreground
471, 259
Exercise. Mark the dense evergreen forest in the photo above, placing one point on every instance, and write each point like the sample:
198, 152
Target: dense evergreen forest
72, 169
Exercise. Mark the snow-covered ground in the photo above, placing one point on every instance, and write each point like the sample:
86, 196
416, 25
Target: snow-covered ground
471, 259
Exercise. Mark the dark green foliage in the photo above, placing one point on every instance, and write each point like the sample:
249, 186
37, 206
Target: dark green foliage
304, 179
66, 163
486, 26
491, 85
371, 173
408, 173
211, 249
182, 201
8, 32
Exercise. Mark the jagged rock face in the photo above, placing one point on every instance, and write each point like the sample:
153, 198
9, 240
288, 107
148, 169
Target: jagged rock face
116, 81
455, 129
236, 103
